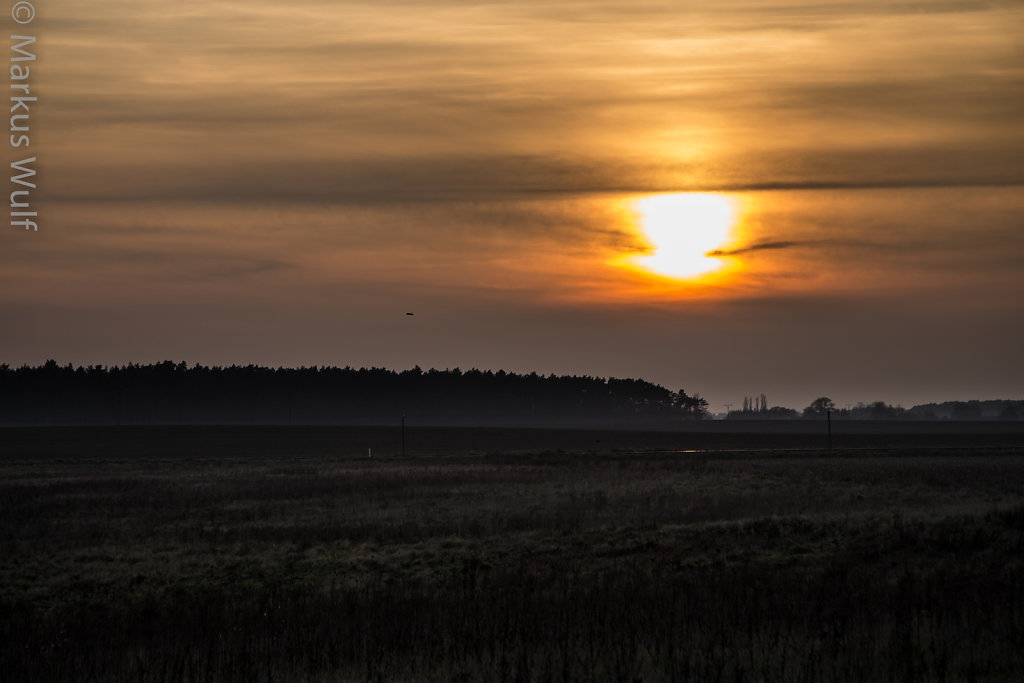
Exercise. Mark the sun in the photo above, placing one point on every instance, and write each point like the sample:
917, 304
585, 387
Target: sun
683, 229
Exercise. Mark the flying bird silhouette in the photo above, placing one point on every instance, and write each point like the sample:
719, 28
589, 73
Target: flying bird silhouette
410, 314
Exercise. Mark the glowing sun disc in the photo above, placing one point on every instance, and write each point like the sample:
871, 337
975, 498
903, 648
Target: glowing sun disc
683, 229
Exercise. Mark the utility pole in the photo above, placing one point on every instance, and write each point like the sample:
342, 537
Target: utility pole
828, 415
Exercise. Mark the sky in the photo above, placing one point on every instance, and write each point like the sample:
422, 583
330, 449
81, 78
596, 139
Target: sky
786, 197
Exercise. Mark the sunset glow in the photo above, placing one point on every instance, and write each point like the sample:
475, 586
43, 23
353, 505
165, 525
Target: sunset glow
546, 184
683, 230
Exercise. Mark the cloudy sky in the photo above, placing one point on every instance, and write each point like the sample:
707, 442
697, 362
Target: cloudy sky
781, 196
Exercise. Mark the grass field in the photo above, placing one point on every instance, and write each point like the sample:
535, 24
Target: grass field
286, 554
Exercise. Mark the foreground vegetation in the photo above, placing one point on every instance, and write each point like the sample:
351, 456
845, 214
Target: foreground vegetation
122, 565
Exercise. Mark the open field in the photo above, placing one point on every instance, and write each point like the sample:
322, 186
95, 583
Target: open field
285, 554
352, 442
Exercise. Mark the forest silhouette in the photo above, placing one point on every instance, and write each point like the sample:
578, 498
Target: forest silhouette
174, 393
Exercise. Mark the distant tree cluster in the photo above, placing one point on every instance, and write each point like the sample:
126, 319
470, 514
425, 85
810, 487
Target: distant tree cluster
970, 410
756, 408
173, 393
819, 406
950, 410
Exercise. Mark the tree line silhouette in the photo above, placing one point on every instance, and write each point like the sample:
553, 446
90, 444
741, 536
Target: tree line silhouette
174, 393
756, 408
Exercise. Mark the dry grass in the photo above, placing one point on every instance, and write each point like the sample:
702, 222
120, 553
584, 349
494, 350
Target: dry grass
567, 566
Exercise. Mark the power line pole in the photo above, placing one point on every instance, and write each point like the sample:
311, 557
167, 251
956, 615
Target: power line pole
828, 415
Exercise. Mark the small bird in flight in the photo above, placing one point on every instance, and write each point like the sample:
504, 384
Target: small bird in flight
410, 314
